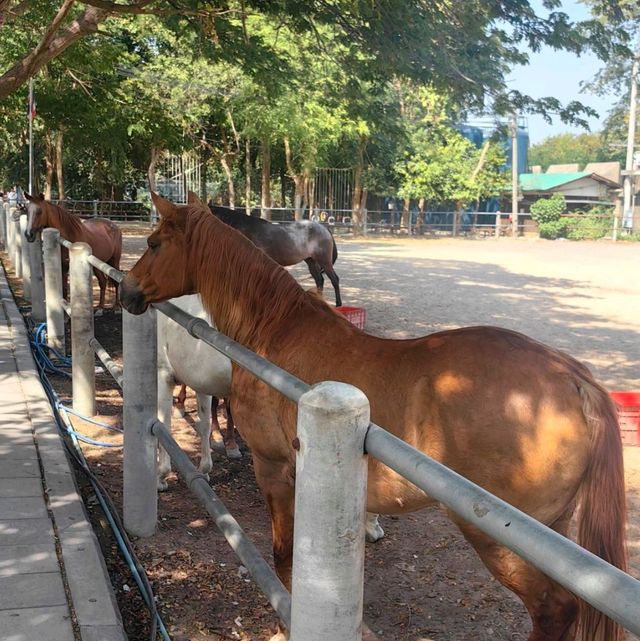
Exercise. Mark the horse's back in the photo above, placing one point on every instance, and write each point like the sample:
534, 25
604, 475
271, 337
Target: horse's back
105, 238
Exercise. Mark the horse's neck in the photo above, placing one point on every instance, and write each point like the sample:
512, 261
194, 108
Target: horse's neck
247, 294
71, 226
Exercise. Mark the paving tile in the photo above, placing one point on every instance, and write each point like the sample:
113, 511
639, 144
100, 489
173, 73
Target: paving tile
25, 532
31, 591
26, 468
36, 624
28, 559
19, 488
102, 633
31, 507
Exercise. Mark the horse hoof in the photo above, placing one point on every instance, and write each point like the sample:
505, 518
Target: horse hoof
163, 486
99, 312
235, 453
374, 531
217, 445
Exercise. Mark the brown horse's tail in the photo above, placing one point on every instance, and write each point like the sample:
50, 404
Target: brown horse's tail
114, 261
601, 525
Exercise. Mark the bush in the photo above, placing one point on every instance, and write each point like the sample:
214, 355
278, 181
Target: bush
547, 212
594, 224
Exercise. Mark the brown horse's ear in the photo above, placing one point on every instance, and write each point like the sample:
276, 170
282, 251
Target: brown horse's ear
29, 197
192, 199
164, 207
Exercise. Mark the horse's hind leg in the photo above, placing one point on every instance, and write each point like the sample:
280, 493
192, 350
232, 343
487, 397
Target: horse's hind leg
553, 610
216, 432
233, 451
203, 427
316, 272
335, 281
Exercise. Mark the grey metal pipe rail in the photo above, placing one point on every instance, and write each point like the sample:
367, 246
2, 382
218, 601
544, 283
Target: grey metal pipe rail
104, 356
607, 588
264, 576
110, 271
64, 303
287, 384
65, 243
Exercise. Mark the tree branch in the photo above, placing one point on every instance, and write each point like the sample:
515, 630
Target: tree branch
50, 33
32, 62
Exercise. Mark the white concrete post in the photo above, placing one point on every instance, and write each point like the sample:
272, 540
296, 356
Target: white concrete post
38, 312
9, 234
140, 392
329, 532
83, 372
26, 262
4, 212
53, 288
17, 247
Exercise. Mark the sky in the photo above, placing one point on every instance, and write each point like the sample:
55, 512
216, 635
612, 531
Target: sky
559, 74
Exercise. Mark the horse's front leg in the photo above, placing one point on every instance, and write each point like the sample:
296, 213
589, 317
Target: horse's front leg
165, 401
102, 283
276, 481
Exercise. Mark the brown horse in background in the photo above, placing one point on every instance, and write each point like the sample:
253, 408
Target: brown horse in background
103, 235
524, 421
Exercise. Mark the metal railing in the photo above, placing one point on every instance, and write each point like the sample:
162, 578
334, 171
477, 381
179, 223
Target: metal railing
123, 211
327, 584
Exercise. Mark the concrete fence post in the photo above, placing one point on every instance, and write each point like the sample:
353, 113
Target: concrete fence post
53, 288
10, 227
17, 246
38, 313
140, 392
329, 533
498, 223
26, 262
4, 212
83, 372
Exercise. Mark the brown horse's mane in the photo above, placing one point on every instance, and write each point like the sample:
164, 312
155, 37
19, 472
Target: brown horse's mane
252, 296
68, 222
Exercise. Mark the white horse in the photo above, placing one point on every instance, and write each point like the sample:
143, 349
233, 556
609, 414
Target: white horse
185, 359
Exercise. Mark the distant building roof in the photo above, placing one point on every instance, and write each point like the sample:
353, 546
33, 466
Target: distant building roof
563, 169
610, 170
544, 182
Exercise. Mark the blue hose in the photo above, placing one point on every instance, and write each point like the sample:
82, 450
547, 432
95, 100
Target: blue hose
44, 364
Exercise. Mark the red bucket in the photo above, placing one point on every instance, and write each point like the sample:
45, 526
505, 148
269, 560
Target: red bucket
355, 315
629, 416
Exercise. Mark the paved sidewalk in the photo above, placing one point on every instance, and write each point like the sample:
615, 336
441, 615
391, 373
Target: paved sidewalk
54, 585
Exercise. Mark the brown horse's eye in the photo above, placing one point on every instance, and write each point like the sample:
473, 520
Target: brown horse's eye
153, 243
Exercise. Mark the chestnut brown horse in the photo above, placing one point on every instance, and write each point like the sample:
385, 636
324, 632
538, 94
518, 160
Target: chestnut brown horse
103, 235
524, 421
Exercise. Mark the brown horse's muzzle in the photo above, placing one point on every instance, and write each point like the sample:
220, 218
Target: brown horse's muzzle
131, 296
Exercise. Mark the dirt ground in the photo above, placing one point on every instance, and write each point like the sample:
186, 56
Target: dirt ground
423, 582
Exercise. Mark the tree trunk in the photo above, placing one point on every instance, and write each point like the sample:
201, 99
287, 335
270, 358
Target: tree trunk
247, 176
59, 172
298, 180
204, 164
406, 204
224, 161
49, 163
151, 170
265, 157
356, 202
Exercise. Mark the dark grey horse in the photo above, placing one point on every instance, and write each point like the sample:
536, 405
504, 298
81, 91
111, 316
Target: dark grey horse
289, 243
